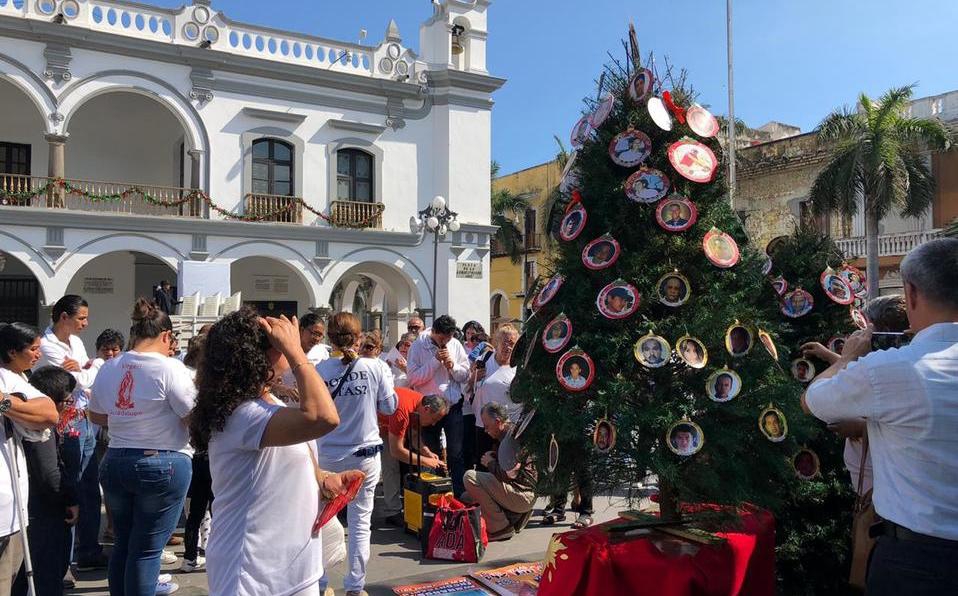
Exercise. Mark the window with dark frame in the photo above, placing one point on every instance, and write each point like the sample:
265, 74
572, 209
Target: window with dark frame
354, 176
273, 168
15, 158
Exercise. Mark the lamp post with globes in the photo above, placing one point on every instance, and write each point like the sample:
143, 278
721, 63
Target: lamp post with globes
438, 219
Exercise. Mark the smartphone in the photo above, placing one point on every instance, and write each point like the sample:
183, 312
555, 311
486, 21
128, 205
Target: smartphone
885, 340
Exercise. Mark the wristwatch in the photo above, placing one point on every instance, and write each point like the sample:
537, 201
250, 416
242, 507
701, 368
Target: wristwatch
5, 404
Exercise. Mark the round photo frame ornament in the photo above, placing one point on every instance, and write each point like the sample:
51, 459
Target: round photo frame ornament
647, 185
720, 248
859, 318
780, 285
855, 278
548, 291
652, 351
806, 464
773, 424
581, 132
618, 300
767, 265
659, 113
836, 344
553, 462
692, 351
602, 111
574, 219
803, 370
569, 370
603, 437
836, 288
552, 342
673, 289
601, 253
630, 148
768, 343
735, 335
797, 303
640, 85
693, 160
525, 419
676, 213
723, 385
685, 438
569, 181
701, 121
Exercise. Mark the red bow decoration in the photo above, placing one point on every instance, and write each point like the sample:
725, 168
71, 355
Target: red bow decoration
576, 198
678, 111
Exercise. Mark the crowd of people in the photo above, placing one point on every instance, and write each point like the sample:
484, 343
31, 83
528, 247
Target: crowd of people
261, 422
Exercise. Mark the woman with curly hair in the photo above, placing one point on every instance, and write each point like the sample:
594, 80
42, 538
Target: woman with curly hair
144, 397
361, 386
260, 451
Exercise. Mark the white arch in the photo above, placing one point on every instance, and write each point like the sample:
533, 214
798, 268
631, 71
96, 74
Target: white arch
80, 255
295, 261
80, 92
17, 249
395, 267
33, 87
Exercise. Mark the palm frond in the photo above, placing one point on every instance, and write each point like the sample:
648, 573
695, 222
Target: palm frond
839, 185
562, 155
892, 104
841, 124
921, 185
494, 168
509, 236
928, 133
554, 208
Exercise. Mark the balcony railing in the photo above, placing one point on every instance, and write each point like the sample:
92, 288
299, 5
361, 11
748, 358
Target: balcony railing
100, 197
274, 208
897, 244
353, 214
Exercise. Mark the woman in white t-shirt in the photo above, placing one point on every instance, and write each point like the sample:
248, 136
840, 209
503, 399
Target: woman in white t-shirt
493, 382
360, 388
264, 479
144, 397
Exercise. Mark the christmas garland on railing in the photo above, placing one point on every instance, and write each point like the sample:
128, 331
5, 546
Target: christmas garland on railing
60, 183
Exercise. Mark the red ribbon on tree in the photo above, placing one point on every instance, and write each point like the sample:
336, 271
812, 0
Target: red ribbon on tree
677, 110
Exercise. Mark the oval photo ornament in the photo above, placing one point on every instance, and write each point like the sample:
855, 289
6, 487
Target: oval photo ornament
581, 132
640, 85
674, 289
573, 222
772, 424
692, 351
797, 303
659, 113
630, 148
693, 160
701, 121
603, 111
806, 464
723, 385
601, 253
557, 334
575, 371
720, 248
618, 300
676, 213
652, 351
647, 185
548, 292
836, 288
685, 438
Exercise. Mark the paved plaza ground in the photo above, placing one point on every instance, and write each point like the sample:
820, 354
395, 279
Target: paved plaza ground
395, 557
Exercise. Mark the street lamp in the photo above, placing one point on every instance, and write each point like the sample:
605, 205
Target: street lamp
438, 219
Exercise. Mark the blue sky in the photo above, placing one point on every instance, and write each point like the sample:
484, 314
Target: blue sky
795, 60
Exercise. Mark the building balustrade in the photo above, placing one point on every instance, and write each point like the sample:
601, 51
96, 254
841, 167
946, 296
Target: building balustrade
895, 244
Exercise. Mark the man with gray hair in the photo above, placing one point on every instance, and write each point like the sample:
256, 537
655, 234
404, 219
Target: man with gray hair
506, 493
909, 397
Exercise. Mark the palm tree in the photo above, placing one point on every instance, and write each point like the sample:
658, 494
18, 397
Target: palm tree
876, 164
506, 207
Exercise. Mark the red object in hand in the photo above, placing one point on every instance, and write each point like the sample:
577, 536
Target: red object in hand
337, 503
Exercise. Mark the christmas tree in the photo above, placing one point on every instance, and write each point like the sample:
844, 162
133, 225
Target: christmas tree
653, 286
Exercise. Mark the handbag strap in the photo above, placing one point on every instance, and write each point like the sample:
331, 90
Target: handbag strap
860, 500
342, 379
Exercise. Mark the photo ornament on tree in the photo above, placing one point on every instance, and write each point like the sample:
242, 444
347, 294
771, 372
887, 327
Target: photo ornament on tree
693, 160
780, 285
674, 289
548, 292
573, 222
803, 370
836, 287
685, 438
659, 113
581, 132
723, 385
525, 418
618, 300
797, 303
640, 85
603, 438
701, 121
652, 351
553, 455
720, 248
575, 370
602, 112
557, 334
768, 343
855, 279
806, 464
859, 318
601, 253
692, 351
836, 344
676, 213
738, 340
767, 265
773, 425
569, 181
647, 185
630, 148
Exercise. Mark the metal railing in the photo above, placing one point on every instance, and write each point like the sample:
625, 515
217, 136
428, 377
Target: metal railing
124, 198
896, 244
354, 214
273, 208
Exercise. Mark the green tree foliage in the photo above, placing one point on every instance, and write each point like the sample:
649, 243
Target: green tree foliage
506, 207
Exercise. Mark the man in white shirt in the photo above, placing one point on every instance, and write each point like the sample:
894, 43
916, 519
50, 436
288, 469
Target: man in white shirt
909, 397
60, 346
312, 332
438, 365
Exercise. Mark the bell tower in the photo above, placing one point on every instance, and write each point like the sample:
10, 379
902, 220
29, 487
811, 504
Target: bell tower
455, 36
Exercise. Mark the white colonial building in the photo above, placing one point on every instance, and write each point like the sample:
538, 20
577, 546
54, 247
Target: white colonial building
140, 144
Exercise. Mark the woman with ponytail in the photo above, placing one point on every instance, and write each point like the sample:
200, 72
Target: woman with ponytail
360, 387
145, 397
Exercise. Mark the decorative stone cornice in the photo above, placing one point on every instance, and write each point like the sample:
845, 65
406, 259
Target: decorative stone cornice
202, 79
274, 115
58, 62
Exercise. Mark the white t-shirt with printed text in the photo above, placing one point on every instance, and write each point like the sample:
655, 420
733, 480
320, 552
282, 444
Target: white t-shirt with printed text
146, 395
11, 382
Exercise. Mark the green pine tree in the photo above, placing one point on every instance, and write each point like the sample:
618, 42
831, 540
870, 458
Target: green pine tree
737, 463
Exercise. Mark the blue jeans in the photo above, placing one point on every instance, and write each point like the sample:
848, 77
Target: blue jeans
453, 425
78, 453
900, 567
146, 490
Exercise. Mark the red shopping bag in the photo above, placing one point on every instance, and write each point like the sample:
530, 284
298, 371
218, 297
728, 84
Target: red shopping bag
458, 533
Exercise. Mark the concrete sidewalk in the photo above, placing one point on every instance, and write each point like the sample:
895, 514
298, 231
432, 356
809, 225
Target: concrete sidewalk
394, 557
